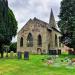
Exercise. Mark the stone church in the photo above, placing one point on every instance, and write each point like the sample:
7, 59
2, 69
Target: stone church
38, 36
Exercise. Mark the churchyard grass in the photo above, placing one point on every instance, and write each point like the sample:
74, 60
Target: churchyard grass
33, 66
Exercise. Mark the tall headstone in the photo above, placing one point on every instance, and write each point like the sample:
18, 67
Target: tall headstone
26, 55
19, 54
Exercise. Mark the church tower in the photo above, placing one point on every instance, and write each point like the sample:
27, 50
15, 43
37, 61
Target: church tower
52, 23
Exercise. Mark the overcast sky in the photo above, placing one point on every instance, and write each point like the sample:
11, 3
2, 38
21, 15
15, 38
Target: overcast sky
26, 9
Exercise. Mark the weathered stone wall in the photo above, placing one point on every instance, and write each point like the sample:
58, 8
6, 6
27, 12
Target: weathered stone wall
48, 38
35, 30
53, 46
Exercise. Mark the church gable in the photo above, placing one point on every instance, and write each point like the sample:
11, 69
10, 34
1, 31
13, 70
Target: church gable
33, 25
26, 26
36, 25
40, 22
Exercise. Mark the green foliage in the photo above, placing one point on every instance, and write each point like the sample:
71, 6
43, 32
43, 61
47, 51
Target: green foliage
1, 40
13, 47
12, 23
8, 23
67, 19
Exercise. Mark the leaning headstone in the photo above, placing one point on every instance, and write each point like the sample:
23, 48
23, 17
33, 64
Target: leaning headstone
11, 54
19, 55
26, 55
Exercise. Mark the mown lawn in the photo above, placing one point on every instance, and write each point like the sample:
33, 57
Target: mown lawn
33, 66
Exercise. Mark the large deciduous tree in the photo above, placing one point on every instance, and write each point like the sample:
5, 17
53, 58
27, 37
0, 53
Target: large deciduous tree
8, 24
67, 22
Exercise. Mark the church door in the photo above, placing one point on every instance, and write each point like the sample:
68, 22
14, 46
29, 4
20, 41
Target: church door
39, 51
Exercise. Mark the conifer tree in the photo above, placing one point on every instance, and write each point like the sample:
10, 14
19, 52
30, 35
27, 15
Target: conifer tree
8, 25
67, 22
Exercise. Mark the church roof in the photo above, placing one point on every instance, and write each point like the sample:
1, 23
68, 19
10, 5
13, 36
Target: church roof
51, 25
40, 21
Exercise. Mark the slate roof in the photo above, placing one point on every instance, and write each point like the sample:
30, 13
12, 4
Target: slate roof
40, 22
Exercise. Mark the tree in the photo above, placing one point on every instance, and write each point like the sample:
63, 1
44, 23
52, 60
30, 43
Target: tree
8, 24
11, 27
67, 21
13, 47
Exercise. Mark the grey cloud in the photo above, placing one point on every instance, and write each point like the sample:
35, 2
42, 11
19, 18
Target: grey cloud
26, 9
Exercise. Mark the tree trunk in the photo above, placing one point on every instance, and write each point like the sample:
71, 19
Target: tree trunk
1, 51
2, 54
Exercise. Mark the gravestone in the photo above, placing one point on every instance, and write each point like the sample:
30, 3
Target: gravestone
11, 54
52, 52
26, 55
19, 55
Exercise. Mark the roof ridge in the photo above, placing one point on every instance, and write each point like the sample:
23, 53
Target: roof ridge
36, 19
25, 25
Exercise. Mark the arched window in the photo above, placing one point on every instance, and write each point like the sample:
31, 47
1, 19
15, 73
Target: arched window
29, 40
21, 42
39, 40
56, 42
49, 46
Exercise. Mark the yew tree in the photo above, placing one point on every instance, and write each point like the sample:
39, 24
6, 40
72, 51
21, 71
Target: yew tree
8, 24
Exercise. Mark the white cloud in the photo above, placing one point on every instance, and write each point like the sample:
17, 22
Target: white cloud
26, 9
